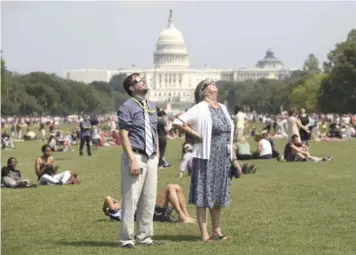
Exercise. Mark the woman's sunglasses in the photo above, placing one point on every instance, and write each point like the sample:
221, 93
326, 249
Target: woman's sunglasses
207, 83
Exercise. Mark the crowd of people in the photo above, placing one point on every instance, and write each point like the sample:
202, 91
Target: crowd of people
214, 151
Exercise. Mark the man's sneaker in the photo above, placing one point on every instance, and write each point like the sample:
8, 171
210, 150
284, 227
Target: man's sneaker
150, 244
280, 158
327, 158
129, 245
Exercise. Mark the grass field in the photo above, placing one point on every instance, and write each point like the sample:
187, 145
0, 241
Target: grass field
286, 208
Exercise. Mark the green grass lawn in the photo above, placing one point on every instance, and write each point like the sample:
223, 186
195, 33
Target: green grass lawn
286, 208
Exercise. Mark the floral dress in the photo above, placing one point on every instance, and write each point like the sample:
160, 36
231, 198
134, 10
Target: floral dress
210, 179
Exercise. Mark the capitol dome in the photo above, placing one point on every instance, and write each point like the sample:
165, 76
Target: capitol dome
170, 48
170, 34
269, 61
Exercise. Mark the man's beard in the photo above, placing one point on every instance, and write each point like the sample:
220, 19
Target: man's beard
142, 92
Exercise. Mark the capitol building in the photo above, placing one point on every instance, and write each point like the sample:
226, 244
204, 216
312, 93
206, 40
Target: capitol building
172, 79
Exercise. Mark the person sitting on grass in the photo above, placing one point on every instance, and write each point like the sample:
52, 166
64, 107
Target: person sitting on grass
269, 137
46, 169
171, 196
67, 144
52, 143
264, 147
295, 151
6, 141
11, 177
243, 150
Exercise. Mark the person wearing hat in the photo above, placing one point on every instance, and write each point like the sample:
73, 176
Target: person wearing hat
213, 156
139, 161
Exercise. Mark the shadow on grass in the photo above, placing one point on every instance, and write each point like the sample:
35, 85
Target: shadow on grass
102, 220
176, 238
89, 243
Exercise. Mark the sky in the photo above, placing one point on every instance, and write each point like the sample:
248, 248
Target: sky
57, 36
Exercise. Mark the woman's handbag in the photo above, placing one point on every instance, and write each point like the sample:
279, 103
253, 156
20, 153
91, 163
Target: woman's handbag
234, 171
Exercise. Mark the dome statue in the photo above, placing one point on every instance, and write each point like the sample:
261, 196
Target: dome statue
170, 33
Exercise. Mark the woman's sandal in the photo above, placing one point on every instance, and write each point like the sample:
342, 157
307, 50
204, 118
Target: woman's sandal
218, 238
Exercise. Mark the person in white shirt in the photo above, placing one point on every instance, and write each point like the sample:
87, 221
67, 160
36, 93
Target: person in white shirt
112, 124
210, 124
283, 127
187, 161
264, 147
95, 137
240, 123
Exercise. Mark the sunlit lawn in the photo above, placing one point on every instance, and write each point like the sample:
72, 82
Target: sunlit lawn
286, 208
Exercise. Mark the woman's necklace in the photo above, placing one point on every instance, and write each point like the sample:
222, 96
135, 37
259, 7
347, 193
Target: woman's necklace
144, 107
220, 115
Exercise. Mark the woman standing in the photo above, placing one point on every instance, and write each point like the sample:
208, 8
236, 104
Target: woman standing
213, 156
305, 121
294, 125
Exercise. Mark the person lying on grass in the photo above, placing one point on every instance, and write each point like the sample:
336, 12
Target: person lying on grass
172, 196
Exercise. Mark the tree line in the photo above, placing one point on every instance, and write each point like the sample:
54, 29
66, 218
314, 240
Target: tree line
40, 93
330, 90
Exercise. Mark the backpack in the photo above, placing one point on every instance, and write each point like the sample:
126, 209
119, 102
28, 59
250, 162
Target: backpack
164, 215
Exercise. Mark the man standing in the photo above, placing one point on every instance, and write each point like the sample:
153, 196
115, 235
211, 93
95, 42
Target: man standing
240, 122
85, 135
138, 130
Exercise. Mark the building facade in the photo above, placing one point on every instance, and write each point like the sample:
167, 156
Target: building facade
172, 79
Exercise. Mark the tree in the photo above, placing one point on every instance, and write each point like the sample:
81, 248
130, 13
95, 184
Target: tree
311, 65
42, 93
116, 82
306, 95
338, 88
4, 78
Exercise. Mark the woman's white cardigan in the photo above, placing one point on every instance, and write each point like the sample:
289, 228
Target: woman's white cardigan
199, 118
